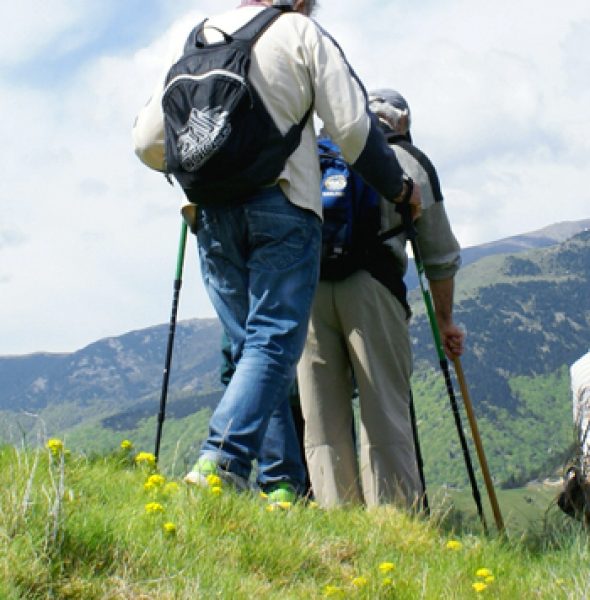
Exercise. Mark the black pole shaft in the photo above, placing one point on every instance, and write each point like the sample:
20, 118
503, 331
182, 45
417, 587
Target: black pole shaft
171, 332
418, 451
444, 365
443, 362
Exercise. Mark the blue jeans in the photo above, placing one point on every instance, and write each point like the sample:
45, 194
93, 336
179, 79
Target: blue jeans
260, 264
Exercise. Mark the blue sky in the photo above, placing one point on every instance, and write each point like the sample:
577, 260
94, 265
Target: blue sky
88, 236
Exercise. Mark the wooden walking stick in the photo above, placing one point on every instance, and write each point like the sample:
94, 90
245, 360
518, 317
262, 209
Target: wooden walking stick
478, 444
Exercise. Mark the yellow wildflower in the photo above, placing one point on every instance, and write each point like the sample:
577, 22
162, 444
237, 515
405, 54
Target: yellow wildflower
359, 581
216, 490
277, 505
145, 458
332, 590
126, 445
483, 573
263, 495
386, 567
55, 446
153, 508
213, 480
169, 528
148, 486
489, 579
454, 545
171, 487
312, 504
156, 480
386, 581
479, 586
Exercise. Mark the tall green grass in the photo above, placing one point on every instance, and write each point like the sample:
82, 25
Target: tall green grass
75, 526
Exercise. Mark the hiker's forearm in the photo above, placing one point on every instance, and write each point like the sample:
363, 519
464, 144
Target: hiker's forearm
442, 296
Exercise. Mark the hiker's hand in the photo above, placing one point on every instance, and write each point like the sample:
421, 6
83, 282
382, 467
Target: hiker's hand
189, 214
452, 339
415, 203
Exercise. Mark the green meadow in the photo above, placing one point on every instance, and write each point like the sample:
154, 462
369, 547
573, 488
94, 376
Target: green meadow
113, 527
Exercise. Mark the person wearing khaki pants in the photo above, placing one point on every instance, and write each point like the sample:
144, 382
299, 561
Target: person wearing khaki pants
342, 318
358, 332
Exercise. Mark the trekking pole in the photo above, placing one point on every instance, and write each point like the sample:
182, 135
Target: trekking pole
171, 331
418, 450
411, 234
478, 444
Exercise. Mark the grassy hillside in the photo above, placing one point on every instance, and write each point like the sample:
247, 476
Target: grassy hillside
73, 527
531, 440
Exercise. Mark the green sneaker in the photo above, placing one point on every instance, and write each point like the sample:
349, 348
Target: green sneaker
207, 473
281, 493
204, 473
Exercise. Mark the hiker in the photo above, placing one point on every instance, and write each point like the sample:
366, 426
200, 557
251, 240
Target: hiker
259, 250
358, 331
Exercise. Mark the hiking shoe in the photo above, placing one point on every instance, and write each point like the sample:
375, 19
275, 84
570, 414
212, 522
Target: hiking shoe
208, 474
204, 473
281, 494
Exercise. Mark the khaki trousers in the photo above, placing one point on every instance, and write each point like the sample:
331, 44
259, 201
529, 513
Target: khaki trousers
357, 326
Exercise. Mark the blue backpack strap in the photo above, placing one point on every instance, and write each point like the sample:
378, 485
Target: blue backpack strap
326, 147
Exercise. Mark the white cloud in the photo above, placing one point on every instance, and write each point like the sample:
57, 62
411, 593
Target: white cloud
30, 26
89, 236
102, 231
499, 94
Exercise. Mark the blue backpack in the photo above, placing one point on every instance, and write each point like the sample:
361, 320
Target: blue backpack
352, 216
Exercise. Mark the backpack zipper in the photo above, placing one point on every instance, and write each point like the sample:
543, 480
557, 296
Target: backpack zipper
229, 74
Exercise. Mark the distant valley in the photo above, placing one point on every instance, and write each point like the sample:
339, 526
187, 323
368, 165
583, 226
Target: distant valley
524, 302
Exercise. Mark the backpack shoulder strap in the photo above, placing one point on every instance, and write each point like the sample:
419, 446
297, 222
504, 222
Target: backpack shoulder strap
327, 149
249, 32
252, 30
423, 161
389, 233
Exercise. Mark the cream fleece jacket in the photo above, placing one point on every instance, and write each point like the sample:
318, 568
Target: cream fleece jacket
295, 63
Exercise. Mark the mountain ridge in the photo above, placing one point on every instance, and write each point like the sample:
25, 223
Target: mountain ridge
527, 316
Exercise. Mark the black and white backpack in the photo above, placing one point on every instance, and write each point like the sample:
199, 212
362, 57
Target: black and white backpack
221, 143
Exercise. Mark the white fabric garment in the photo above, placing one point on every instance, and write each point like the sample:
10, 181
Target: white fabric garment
580, 383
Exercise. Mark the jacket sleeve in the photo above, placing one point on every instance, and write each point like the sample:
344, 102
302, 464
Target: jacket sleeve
341, 103
441, 253
148, 133
438, 246
148, 128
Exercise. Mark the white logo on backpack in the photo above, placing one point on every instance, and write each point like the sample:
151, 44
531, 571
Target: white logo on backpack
334, 185
204, 133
